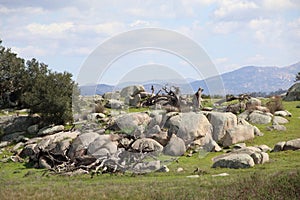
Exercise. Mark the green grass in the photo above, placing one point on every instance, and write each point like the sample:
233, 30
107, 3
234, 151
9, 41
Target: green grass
270, 138
278, 179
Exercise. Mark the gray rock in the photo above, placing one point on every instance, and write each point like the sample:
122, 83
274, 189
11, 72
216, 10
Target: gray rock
265, 157
61, 147
147, 145
260, 157
252, 103
247, 150
12, 137
293, 93
280, 120
276, 128
180, 169
33, 129
221, 122
125, 143
239, 146
50, 130
44, 164
4, 144
132, 90
154, 130
49, 142
156, 118
164, 168
162, 138
292, 145
283, 113
257, 157
244, 115
94, 117
243, 122
114, 104
129, 122
264, 148
80, 144
234, 161
112, 95
20, 124
18, 146
206, 143
29, 150
138, 131
262, 109
147, 167
189, 126
257, 132
175, 147
102, 146
279, 146
135, 101
258, 117
127, 100
237, 134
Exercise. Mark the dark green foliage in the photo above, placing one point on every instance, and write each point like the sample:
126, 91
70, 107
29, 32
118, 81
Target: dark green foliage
49, 93
36, 87
11, 78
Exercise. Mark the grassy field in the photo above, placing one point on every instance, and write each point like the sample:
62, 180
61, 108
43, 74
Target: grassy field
278, 179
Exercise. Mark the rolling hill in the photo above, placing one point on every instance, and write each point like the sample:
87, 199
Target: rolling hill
243, 80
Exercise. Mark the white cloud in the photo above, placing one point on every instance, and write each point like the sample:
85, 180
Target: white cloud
79, 51
279, 4
234, 8
254, 26
50, 30
225, 27
267, 30
139, 23
29, 51
24, 10
109, 28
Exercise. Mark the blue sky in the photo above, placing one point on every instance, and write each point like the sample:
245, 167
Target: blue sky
233, 33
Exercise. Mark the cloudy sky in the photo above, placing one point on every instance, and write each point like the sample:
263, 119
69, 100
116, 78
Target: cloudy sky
233, 33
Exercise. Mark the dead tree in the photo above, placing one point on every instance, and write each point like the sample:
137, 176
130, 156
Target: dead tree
197, 100
169, 99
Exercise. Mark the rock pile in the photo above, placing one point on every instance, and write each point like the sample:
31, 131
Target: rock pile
289, 145
243, 157
140, 141
135, 143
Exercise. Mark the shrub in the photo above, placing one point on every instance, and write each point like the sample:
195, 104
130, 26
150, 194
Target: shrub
49, 93
275, 104
99, 108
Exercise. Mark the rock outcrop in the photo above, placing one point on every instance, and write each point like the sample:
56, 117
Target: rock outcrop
293, 93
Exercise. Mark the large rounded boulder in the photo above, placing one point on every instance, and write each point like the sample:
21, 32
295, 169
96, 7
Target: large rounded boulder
293, 93
189, 126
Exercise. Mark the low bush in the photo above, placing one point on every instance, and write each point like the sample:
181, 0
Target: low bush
275, 104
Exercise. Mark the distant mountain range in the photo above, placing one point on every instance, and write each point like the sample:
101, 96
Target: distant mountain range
243, 80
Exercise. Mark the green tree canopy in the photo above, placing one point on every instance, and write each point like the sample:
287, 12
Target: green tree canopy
12, 72
33, 85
